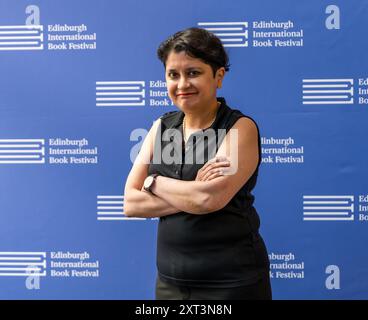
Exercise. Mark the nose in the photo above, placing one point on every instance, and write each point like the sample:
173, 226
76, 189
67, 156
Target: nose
183, 83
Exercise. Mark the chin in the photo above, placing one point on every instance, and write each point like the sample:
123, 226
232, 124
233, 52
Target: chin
187, 102
186, 105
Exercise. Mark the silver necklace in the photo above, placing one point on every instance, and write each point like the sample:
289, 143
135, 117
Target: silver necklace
184, 134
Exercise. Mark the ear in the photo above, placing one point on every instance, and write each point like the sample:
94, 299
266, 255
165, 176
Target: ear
220, 74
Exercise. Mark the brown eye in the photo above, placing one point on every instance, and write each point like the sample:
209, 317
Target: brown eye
193, 73
171, 75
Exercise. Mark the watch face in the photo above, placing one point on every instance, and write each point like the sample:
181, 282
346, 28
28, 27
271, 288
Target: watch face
148, 182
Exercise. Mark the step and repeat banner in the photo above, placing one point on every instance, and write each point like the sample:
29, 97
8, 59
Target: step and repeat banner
80, 86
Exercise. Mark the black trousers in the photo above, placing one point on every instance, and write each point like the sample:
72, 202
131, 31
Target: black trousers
260, 290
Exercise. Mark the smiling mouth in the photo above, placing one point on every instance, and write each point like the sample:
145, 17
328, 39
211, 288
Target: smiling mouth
186, 94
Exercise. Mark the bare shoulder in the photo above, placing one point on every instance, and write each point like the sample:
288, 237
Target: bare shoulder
246, 123
155, 125
146, 151
153, 131
247, 130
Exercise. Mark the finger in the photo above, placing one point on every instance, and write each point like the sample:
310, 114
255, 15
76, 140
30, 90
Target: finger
208, 163
214, 175
211, 172
218, 165
212, 160
202, 171
211, 164
215, 166
223, 167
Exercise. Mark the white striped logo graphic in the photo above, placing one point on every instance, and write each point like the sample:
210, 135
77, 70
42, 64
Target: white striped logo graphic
120, 93
27, 37
22, 151
328, 91
23, 264
231, 34
111, 207
328, 208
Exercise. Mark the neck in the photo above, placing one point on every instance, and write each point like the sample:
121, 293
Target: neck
201, 119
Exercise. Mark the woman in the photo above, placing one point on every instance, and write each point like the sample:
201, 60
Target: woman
208, 244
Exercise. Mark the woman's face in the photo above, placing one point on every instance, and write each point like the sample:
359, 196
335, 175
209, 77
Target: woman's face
190, 82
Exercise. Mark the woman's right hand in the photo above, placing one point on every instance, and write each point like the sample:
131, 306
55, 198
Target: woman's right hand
214, 168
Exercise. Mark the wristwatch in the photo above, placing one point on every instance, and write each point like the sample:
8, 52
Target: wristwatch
149, 181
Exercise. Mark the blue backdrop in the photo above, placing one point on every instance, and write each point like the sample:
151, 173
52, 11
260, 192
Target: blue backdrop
80, 87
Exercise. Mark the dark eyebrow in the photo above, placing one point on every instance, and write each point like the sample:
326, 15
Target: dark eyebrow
188, 69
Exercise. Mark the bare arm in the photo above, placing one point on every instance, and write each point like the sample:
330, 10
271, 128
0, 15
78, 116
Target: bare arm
145, 205
189, 196
138, 203
201, 197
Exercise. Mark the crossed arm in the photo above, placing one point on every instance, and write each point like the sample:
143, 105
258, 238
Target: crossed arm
211, 190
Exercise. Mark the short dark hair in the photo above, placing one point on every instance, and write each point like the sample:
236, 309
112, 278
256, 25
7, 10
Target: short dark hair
197, 43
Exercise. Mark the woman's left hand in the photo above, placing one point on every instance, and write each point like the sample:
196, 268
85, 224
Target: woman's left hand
214, 168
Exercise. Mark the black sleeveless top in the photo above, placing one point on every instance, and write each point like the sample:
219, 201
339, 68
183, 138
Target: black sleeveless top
219, 249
